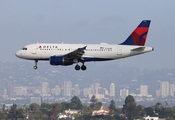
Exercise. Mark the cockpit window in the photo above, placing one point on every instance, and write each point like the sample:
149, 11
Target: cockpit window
24, 48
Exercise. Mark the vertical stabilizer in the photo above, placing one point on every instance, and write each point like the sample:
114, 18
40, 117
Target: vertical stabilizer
138, 36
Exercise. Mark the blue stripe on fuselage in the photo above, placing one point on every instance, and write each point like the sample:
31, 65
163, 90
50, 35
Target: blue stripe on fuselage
88, 59
85, 59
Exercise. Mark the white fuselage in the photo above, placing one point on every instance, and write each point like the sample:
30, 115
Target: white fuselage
93, 52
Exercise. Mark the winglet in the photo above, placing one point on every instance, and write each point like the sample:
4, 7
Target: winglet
84, 48
138, 36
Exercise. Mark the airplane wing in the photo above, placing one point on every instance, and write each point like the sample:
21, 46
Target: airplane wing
76, 54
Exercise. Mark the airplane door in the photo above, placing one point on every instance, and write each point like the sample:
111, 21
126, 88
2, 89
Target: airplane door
119, 50
34, 49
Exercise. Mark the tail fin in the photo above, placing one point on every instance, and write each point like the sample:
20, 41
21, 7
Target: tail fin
138, 36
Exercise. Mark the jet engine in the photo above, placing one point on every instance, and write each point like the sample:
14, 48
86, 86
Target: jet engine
59, 60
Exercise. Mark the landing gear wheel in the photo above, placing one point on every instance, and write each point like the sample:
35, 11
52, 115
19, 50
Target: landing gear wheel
35, 67
77, 67
83, 67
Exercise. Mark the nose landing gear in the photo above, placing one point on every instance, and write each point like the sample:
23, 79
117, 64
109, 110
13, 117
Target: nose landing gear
35, 67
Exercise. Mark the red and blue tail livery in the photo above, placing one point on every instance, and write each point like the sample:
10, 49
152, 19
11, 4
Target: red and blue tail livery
138, 36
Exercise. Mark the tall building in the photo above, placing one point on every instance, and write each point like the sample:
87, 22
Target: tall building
76, 90
97, 86
92, 89
10, 89
164, 89
158, 93
143, 90
86, 91
67, 88
112, 89
124, 93
57, 90
37, 100
171, 89
106, 91
45, 88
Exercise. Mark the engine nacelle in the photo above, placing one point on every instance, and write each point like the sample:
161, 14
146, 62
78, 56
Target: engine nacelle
58, 60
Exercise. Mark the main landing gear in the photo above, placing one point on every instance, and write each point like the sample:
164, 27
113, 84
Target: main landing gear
35, 67
83, 67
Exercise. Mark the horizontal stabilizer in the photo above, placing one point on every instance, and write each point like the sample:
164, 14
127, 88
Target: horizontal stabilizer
138, 49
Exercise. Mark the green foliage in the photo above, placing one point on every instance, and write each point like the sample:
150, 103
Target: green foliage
2, 115
158, 107
45, 108
34, 107
75, 103
56, 108
129, 108
3, 108
129, 99
149, 111
65, 106
13, 112
93, 99
94, 105
112, 106
50, 111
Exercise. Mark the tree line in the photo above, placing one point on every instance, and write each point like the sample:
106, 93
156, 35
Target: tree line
46, 111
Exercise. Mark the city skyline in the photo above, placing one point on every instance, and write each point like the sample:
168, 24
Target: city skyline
166, 89
51, 89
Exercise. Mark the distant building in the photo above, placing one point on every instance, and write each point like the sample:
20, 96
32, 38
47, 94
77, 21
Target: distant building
97, 95
157, 93
37, 100
76, 90
164, 89
86, 91
45, 88
92, 89
67, 89
106, 91
5, 93
97, 86
171, 89
152, 118
102, 111
71, 112
20, 91
10, 88
124, 93
62, 116
96, 90
143, 90
56, 91
112, 89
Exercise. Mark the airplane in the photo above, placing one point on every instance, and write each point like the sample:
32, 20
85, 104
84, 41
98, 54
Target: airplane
68, 54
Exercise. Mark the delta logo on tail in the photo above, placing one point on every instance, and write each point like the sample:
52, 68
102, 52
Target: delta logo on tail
138, 36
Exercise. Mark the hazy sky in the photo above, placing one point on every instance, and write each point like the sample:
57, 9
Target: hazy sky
24, 22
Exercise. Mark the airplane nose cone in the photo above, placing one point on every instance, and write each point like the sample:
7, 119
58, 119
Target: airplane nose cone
18, 54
